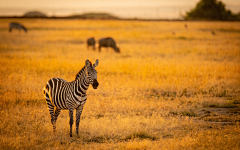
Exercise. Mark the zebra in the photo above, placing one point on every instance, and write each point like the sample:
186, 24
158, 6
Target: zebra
16, 26
63, 95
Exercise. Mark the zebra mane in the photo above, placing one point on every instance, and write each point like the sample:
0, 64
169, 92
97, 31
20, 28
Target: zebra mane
79, 74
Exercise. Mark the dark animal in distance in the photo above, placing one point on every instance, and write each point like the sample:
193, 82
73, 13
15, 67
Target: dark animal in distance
108, 42
213, 33
186, 26
16, 25
91, 42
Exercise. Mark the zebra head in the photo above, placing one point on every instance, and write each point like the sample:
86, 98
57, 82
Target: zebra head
92, 73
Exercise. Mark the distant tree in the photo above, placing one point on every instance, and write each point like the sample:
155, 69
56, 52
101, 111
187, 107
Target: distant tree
210, 10
34, 14
94, 16
238, 16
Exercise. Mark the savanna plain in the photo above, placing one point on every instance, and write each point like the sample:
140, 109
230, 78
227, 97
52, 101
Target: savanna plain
170, 87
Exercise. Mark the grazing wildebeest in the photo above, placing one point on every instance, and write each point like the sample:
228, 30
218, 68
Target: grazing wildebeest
213, 33
91, 42
108, 42
16, 26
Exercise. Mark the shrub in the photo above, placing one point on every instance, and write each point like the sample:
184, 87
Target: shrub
210, 10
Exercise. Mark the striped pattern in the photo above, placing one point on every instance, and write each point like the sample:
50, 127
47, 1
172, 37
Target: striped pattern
61, 94
15, 25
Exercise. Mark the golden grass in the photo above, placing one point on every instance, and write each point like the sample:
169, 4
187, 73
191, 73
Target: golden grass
163, 91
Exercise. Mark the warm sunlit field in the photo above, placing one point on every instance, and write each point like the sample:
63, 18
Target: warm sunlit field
169, 88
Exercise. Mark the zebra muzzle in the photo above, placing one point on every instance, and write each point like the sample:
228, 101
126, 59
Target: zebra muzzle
95, 84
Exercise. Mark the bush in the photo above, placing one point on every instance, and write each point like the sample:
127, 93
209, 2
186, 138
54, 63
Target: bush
210, 10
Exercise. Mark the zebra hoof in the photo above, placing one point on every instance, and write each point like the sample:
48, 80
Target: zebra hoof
70, 135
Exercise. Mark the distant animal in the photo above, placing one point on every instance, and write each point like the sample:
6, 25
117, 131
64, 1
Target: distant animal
63, 95
16, 25
186, 26
213, 33
108, 42
91, 42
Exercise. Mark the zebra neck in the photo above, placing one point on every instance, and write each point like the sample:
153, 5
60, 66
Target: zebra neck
80, 73
82, 85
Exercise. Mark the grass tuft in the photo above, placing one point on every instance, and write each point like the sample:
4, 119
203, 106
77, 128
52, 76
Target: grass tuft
140, 135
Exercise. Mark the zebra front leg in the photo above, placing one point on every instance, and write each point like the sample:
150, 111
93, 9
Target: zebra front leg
71, 121
78, 115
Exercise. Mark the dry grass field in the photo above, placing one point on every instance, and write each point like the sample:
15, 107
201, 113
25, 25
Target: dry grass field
163, 91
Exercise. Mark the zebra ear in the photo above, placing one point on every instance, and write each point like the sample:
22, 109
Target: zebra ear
96, 63
87, 63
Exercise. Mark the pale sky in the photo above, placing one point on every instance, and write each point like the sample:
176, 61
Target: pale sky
121, 8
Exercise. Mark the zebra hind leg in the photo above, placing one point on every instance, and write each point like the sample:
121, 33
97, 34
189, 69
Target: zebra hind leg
53, 118
51, 110
56, 113
71, 121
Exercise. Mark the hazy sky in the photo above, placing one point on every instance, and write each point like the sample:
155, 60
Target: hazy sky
122, 8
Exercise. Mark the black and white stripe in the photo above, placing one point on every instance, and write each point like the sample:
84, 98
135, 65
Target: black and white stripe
16, 25
61, 94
